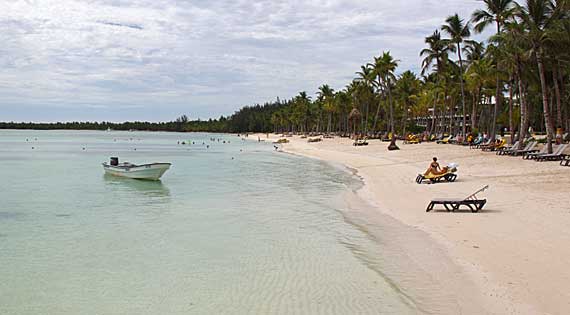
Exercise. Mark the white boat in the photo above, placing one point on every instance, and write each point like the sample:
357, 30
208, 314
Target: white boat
152, 171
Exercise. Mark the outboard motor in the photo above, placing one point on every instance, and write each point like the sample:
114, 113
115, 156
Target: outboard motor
114, 161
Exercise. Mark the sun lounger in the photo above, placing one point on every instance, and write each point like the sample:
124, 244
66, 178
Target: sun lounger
477, 141
470, 202
360, 142
444, 140
555, 156
495, 146
448, 176
530, 148
565, 161
535, 153
480, 144
505, 151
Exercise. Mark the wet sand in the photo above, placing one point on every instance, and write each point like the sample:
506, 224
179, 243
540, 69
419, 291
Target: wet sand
515, 252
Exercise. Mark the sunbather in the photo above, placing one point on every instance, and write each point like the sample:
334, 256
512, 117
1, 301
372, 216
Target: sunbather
435, 169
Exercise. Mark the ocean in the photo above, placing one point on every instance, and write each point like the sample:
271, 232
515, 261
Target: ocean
231, 228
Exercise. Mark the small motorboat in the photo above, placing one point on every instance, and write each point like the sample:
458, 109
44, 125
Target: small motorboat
152, 171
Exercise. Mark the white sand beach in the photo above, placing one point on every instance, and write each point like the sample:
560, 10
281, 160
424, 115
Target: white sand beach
516, 251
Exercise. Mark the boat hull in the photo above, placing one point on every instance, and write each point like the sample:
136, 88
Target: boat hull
147, 172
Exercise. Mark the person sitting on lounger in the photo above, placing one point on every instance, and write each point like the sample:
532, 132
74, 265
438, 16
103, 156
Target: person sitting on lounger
435, 169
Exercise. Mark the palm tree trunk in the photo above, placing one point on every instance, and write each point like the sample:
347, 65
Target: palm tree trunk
391, 107
463, 129
392, 145
545, 108
565, 109
433, 119
558, 98
511, 123
476, 101
497, 93
366, 120
524, 110
404, 120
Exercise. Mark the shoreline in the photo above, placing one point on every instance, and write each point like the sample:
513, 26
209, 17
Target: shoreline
513, 251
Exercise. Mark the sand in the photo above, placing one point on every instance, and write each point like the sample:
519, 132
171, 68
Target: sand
516, 251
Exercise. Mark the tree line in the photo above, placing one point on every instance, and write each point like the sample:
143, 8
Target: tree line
516, 79
181, 124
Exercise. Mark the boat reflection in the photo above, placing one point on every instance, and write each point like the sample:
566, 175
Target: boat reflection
144, 187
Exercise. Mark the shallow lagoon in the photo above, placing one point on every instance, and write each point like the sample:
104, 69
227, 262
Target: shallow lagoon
233, 228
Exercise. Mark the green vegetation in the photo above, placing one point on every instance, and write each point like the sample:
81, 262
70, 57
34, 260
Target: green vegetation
517, 78
181, 124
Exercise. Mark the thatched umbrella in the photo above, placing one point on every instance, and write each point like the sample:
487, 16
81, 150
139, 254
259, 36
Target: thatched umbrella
354, 116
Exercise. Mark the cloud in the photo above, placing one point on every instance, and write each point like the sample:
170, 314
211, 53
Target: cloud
203, 58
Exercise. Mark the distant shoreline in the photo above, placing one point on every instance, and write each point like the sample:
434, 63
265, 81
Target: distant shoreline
179, 125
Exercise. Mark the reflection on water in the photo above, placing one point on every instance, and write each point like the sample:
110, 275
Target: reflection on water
9, 215
142, 187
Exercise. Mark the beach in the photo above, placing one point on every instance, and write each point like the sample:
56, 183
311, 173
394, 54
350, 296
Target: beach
515, 251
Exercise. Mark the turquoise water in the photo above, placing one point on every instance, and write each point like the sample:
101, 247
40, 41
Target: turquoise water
235, 228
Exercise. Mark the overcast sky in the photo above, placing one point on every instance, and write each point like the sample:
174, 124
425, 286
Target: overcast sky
117, 60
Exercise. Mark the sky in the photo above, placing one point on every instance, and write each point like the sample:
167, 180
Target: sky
119, 60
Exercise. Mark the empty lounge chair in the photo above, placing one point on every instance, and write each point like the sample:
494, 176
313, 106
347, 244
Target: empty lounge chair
470, 201
557, 155
533, 155
530, 148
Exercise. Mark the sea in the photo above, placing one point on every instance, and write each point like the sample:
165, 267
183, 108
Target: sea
234, 227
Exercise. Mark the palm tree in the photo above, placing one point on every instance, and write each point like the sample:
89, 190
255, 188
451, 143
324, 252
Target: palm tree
538, 16
477, 76
497, 12
474, 50
326, 94
435, 56
515, 47
383, 68
407, 88
365, 80
458, 30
